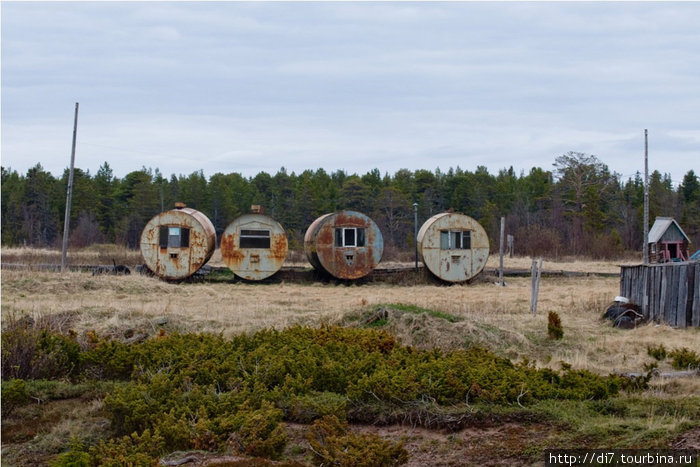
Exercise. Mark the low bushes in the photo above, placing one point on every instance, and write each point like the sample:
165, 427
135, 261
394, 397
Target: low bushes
202, 391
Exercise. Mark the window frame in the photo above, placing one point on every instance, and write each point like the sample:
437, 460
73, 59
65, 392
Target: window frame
359, 237
255, 239
455, 239
166, 236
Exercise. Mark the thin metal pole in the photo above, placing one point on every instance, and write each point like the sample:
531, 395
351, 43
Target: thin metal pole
645, 255
415, 232
66, 219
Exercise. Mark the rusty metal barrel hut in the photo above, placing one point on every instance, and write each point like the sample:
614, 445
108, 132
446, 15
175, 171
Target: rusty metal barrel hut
453, 246
176, 243
344, 244
254, 246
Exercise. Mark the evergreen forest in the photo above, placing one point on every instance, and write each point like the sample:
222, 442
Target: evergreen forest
577, 208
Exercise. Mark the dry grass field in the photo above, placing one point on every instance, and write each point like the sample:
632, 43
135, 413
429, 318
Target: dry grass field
493, 316
480, 313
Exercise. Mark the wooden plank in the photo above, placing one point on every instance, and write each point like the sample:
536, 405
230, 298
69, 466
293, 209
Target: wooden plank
654, 292
673, 294
639, 285
681, 320
696, 296
663, 296
623, 281
645, 293
691, 284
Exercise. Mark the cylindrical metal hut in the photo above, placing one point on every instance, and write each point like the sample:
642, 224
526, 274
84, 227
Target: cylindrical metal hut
453, 246
176, 243
345, 244
254, 246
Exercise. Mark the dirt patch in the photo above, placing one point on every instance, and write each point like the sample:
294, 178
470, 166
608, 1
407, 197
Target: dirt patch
688, 440
504, 444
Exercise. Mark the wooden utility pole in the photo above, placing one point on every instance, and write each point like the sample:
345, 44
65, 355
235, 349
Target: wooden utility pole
500, 264
415, 232
66, 219
645, 254
536, 274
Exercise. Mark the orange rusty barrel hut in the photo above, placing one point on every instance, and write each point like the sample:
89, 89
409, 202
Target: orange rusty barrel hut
176, 243
453, 246
345, 244
254, 246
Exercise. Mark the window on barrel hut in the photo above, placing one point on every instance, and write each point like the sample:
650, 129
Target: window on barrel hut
349, 236
174, 237
251, 238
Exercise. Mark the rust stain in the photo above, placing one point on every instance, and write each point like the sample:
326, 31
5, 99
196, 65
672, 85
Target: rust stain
232, 255
278, 248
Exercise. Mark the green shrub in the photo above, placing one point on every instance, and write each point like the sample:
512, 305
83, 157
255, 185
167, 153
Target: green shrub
31, 353
554, 327
306, 408
332, 444
658, 352
72, 459
14, 394
684, 359
134, 451
259, 432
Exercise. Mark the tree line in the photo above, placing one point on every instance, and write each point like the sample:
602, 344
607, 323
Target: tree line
577, 208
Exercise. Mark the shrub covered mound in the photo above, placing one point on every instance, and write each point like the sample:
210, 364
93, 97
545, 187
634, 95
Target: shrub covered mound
206, 392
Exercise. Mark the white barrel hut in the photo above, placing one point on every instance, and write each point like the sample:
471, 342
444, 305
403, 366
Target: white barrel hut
176, 243
344, 244
453, 246
254, 246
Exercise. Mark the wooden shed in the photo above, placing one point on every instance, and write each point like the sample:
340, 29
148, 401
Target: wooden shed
453, 246
176, 243
667, 241
254, 246
344, 244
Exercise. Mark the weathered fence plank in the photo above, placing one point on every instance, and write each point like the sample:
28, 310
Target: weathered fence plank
682, 296
696, 296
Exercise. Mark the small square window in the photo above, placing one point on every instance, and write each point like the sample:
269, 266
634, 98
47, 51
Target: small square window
349, 236
455, 240
174, 237
255, 238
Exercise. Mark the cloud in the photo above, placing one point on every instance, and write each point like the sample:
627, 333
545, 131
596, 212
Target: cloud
234, 86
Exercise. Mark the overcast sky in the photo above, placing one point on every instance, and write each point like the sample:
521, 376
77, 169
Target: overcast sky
251, 87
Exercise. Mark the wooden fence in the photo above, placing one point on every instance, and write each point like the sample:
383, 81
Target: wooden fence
667, 293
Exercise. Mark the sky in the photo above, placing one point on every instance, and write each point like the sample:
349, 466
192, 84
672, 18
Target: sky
249, 87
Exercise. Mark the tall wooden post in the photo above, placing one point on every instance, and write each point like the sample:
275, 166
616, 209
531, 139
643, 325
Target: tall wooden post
415, 232
645, 255
536, 274
66, 219
500, 264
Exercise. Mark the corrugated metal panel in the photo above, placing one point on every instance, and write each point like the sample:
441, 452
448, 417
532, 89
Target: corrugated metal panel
345, 244
254, 246
191, 242
453, 246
